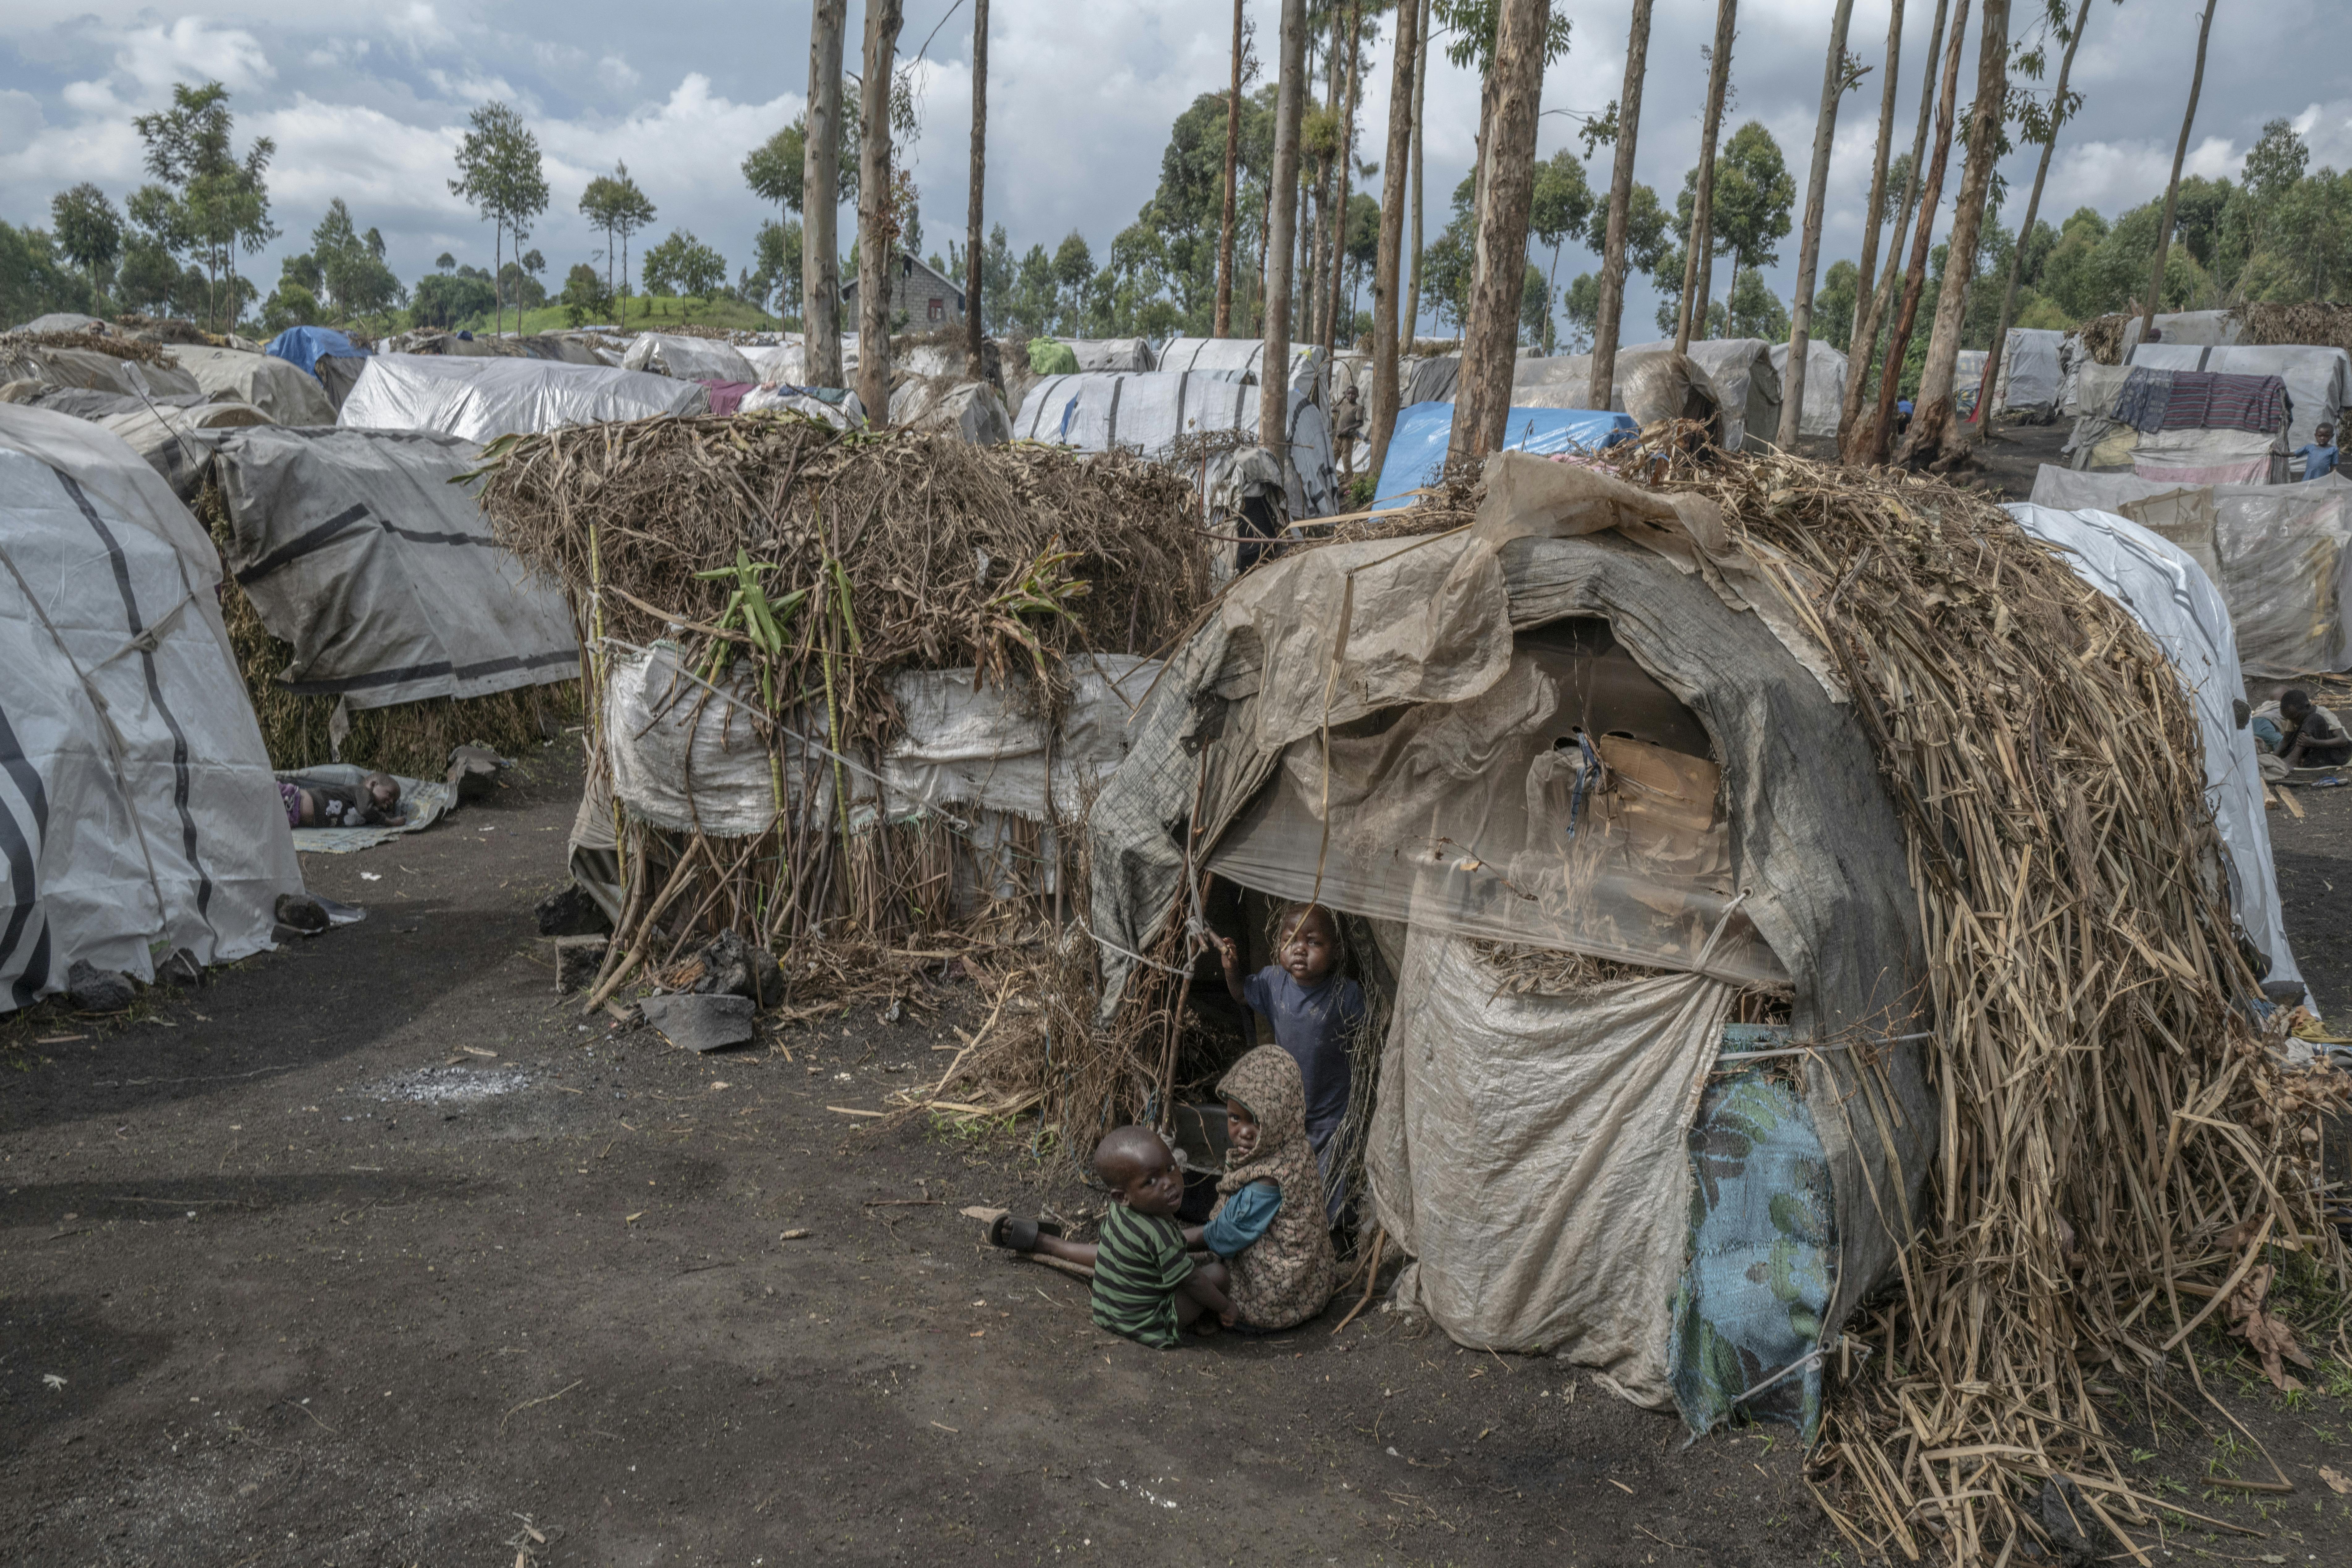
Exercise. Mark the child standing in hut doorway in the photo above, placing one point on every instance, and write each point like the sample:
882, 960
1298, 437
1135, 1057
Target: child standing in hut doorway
1315, 1010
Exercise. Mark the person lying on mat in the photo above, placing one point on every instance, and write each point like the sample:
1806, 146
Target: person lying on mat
1271, 1258
1148, 1286
375, 803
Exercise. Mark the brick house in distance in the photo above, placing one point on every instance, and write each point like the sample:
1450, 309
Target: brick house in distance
921, 294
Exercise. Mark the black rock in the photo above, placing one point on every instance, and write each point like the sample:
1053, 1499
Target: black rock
734, 967
570, 911
180, 968
701, 1023
95, 990
2074, 1531
577, 960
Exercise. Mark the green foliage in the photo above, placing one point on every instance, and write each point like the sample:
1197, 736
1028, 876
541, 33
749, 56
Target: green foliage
448, 301
684, 266
210, 204
583, 298
1535, 306
519, 289
1563, 201
1473, 24
1580, 306
1753, 194
613, 203
1835, 303
349, 266
776, 268
34, 278
89, 231
290, 305
499, 173
148, 275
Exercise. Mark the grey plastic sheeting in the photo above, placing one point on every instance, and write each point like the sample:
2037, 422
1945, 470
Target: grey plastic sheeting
23, 360
1098, 410
2171, 595
2287, 574
287, 395
689, 358
1740, 368
136, 805
355, 548
1825, 372
1815, 840
2030, 377
1246, 356
482, 399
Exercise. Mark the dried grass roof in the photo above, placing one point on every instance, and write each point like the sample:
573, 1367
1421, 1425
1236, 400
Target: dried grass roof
141, 349
2314, 322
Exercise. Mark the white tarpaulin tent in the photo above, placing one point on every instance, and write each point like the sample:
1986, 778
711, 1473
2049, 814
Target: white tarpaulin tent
2286, 571
281, 391
2319, 380
2182, 609
2030, 372
1245, 356
137, 809
1111, 353
688, 358
1150, 413
1825, 372
355, 548
1740, 368
483, 399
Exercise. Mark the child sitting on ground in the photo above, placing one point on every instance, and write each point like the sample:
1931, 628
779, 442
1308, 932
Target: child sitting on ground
1314, 1012
374, 804
1271, 1265
1147, 1284
1269, 1225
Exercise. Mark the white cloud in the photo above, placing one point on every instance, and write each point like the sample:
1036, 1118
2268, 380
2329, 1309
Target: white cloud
617, 73
191, 49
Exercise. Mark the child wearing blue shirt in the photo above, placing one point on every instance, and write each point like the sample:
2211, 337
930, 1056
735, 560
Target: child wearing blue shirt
2319, 457
1315, 1013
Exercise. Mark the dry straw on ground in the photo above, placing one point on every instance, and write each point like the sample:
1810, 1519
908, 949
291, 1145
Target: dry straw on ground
813, 564
2310, 322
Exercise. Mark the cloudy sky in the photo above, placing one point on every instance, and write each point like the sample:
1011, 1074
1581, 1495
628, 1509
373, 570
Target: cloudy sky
366, 102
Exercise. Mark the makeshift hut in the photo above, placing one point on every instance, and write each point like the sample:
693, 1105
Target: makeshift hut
1130, 354
1825, 372
1175, 416
1430, 378
2176, 601
97, 361
2277, 552
1246, 357
972, 411
830, 678
2319, 380
138, 815
282, 393
1664, 818
172, 436
1738, 370
688, 359
2312, 323
480, 400
2031, 373
304, 347
1967, 378
373, 616
2110, 339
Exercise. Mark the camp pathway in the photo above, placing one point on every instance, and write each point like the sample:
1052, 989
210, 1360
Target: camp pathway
370, 1253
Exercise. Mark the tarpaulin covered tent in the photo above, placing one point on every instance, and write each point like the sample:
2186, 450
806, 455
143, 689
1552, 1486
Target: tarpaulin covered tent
689, 358
1150, 413
1246, 356
973, 410
1424, 434
356, 549
1111, 353
1739, 369
2286, 575
137, 809
482, 399
172, 437
1825, 372
1428, 378
1529, 1152
2319, 380
266, 382
2169, 593
23, 359
304, 347
2030, 371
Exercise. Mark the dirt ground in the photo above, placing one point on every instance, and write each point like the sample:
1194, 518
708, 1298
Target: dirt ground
370, 1253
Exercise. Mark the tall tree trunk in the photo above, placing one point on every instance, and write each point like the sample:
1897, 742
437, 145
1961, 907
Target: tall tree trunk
1386, 262
1915, 277
1482, 409
1935, 435
1699, 246
1225, 324
1609, 321
1871, 224
2172, 187
1420, 97
878, 216
1991, 381
497, 280
1347, 182
1282, 219
1809, 247
1852, 434
821, 198
975, 362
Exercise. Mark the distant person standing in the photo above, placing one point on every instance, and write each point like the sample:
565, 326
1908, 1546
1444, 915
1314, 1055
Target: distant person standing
2319, 456
1347, 426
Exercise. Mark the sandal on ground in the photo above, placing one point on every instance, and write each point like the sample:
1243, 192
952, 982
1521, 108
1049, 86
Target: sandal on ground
1015, 1234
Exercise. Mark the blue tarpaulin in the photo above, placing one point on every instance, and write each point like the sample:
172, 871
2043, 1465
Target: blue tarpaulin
1417, 450
304, 347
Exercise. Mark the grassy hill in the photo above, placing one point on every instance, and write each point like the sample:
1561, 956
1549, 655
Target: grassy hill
645, 311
